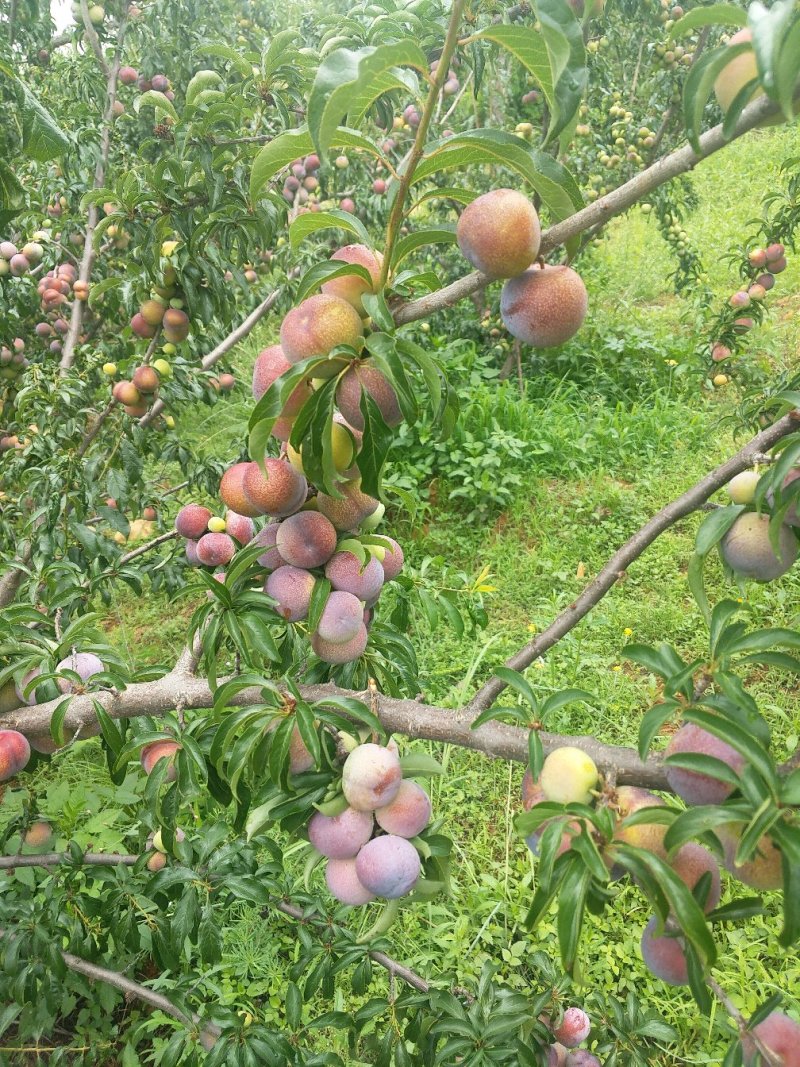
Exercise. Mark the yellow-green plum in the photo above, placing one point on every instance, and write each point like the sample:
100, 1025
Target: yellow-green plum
742, 487
343, 883
736, 74
363, 377
692, 786
346, 573
629, 799
340, 836
338, 652
291, 589
781, 1035
388, 866
318, 325
545, 306
408, 814
351, 287
664, 956
350, 509
371, 777
747, 550
569, 776
306, 539
277, 490
499, 233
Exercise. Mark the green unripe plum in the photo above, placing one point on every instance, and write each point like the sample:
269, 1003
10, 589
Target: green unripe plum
747, 550
158, 839
341, 448
216, 524
96, 14
371, 777
373, 521
742, 488
162, 367
499, 233
569, 776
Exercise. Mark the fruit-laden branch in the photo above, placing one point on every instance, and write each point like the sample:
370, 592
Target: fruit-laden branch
618, 200
225, 345
87, 259
615, 568
407, 717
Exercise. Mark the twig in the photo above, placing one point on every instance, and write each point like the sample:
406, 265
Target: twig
170, 535
222, 348
746, 1036
57, 859
615, 568
94, 429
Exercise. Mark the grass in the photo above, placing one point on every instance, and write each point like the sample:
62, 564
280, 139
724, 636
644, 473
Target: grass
608, 435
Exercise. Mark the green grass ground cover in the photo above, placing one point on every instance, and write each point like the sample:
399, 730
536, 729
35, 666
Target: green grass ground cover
603, 439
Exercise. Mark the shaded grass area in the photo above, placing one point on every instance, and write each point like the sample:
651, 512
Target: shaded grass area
608, 438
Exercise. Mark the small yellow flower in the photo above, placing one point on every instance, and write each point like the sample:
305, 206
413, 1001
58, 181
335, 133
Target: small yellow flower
531, 628
539, 665
740, 600
616, 667
671, 362
627, 631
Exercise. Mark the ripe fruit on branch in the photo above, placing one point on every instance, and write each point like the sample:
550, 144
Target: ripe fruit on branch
14, 753
363, 377
192, 521
306, 539
350, 287
742, 488
215, 549
318, 325
176, 325
346, 573
160, 750
574, 1028
371, 777
736, 74
764, 869
340, 836
84, 664
128, 75
388, 866
271, 559
339, 652
747, 550
146, 379
408, 814
629, 799
277, 490
664, 956
691, 862
351, 509
781, 1035
545, 306
343, 883
240, 527
692, 786
499, 233
231, 490
291, 589
269, 366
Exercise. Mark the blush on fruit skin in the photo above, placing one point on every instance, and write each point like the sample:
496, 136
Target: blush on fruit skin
499, 233
545, 306
15, 751
664, 956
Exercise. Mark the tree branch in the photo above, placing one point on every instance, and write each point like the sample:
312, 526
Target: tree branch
618, 200
615, 568
57, 859
87, 259
170, 535
407, 717
225, 345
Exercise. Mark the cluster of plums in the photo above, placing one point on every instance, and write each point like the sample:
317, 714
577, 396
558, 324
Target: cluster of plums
746, 548
769, 261
158, 82
569, 776
13, 360
571, 1030
542, 305
368, 845
301, 183
18, 261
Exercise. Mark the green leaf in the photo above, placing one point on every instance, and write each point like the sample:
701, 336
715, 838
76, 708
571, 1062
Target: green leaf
768, 27
289, 146
42, 137
651, 723
309, 223
563, 37
157, 100
787, 71
319, 598
714, 527
740, 739
200, 82
376, 442
325, 271
406, 245
712, 15
348, 81
553, 182
293, 1005
12, 194
420, 765
571, 908
535, 753
528, 48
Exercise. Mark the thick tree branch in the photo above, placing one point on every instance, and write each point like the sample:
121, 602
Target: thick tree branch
57, 859
407, 717
618, 200
615, 568
225, 345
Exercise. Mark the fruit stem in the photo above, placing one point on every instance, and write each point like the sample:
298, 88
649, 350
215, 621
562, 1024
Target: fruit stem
418, 148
